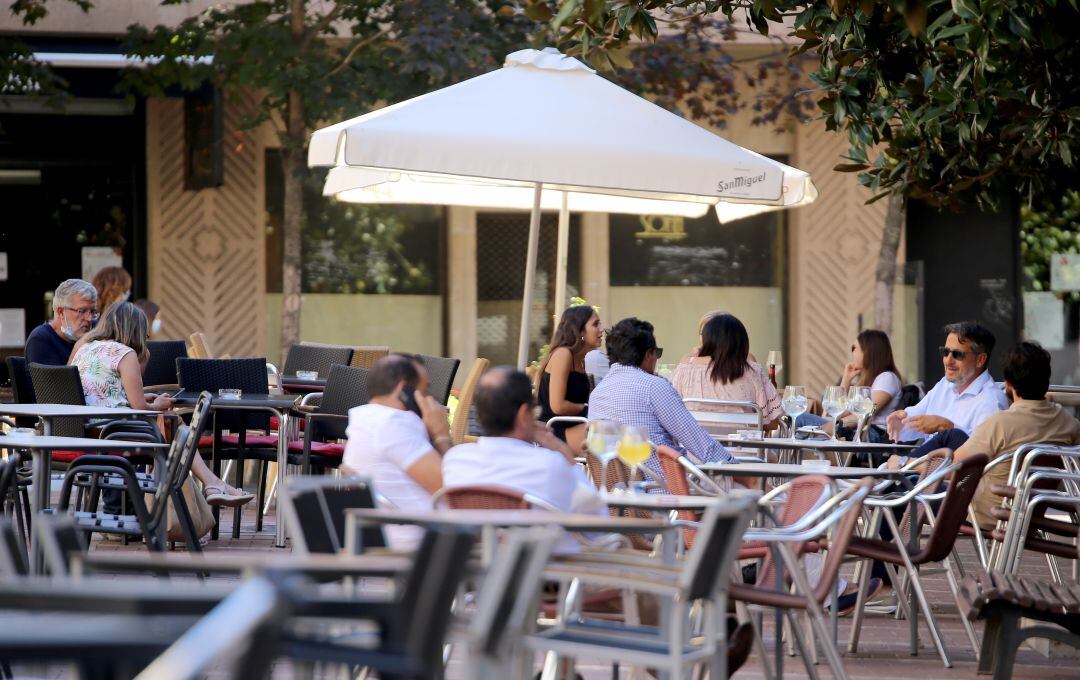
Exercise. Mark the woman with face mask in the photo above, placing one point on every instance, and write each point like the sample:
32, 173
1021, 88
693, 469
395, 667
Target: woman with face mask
153, 316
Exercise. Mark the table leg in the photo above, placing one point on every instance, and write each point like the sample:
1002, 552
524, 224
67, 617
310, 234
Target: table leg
282, 463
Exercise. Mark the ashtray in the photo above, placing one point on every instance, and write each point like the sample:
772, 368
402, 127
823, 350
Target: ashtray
229, 393
307, 375
818, 463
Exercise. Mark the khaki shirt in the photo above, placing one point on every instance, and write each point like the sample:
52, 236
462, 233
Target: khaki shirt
1025, 422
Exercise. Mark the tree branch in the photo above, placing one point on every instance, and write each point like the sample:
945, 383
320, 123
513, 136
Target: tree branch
321, 25
352, 53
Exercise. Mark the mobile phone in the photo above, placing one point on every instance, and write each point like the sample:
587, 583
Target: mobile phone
409, 400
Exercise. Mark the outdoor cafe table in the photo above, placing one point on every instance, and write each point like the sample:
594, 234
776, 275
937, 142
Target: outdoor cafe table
490, 521
660, 502
278, 405
801, 446
789, 470
41, 449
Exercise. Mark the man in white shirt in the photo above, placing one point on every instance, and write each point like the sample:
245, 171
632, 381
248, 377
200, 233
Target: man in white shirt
518, 452
397, 440
961, 400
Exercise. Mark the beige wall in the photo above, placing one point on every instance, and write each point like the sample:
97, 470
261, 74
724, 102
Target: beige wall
676, 311
406, 323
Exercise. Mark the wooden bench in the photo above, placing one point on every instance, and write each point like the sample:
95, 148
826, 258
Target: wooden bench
1002, 600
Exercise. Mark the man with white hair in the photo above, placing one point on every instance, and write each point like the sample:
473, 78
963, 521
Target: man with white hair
74, 303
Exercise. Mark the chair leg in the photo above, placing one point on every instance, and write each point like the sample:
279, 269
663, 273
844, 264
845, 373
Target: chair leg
924, 604
260, 495
860, 605
801, 643
238, 482
187, 525
969, 628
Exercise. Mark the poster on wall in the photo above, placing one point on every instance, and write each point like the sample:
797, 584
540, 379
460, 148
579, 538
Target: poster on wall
96, 258
1044, 319
1065, 271
12, 327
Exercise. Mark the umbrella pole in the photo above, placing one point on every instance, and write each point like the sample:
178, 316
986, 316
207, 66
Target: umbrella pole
560, 256
530, 278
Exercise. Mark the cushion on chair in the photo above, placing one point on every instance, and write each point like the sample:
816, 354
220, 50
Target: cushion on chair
318, 448
252, 441
66, 456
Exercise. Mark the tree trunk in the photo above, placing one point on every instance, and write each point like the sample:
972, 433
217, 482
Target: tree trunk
885, 276
293, 160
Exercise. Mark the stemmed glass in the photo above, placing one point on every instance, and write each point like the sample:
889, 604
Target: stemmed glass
835, 403
601, 439
634, 449
860, 403
794, 404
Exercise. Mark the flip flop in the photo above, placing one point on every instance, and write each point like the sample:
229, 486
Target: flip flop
216, 495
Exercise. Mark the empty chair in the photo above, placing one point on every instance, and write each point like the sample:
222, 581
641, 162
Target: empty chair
459, 430
160, 371
22, 390
346, 388
365, 356
314, 509
441, 370
59, 385
318, 358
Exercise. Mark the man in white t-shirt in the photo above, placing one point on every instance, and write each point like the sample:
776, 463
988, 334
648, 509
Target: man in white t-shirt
397, 440
518, 452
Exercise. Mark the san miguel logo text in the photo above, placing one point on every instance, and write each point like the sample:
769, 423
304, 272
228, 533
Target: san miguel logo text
740, 184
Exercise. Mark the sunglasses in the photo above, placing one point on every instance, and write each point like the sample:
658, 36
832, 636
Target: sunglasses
957, 354
659, 351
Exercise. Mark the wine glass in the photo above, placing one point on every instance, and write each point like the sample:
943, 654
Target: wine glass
860, 403
634, 448
794, 404
835, 403
601, 439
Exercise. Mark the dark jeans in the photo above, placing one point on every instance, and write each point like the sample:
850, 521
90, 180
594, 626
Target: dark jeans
949, 439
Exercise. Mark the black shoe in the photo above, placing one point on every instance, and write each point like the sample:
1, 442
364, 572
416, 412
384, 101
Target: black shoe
846, 603
749, 573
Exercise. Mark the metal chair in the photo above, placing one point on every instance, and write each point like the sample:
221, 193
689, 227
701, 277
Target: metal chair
459, 429
723, 416
441, 370
701, 579
844, 510
905, 551
314, 510
318, 358
160, 371
145, 522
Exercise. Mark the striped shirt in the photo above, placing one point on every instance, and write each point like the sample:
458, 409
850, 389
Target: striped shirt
630, 396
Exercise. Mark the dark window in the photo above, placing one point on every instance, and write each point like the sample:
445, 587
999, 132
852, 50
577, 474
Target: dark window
355, 248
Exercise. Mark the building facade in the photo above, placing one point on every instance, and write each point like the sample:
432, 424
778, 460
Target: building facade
437, 281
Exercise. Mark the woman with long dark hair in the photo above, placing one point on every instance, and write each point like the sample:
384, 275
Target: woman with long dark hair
564, 385
872, 366
722, 370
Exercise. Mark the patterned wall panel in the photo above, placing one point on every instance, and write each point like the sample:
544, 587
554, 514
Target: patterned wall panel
833, 254
207, 258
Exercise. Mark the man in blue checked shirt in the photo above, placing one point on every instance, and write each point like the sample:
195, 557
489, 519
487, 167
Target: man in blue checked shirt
632, 394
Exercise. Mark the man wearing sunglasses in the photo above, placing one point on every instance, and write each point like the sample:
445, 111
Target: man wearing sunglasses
74, 304
963, 399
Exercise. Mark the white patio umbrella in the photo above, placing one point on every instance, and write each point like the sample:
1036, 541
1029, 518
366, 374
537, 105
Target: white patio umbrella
545, 132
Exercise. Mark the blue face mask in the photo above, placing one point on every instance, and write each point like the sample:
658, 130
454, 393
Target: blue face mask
68, 333
127, 295
155, 327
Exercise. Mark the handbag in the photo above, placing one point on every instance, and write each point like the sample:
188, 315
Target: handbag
202, 518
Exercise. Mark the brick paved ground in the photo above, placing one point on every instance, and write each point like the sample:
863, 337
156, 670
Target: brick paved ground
883, 651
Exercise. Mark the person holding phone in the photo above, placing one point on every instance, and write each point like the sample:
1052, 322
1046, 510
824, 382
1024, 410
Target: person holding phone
397, 440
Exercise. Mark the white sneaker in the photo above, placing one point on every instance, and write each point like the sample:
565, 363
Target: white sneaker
883, 603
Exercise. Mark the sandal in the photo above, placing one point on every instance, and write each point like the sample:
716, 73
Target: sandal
220, 495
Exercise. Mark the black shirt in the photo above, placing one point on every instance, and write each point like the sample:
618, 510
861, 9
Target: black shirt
46, 346
578, 387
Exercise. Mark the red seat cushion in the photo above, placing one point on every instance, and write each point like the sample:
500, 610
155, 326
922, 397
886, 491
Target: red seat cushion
66, 456
233, 440
320, 448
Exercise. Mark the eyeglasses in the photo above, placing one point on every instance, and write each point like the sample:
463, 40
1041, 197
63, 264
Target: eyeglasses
957, 354
659, 351
84, 311
853, 348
